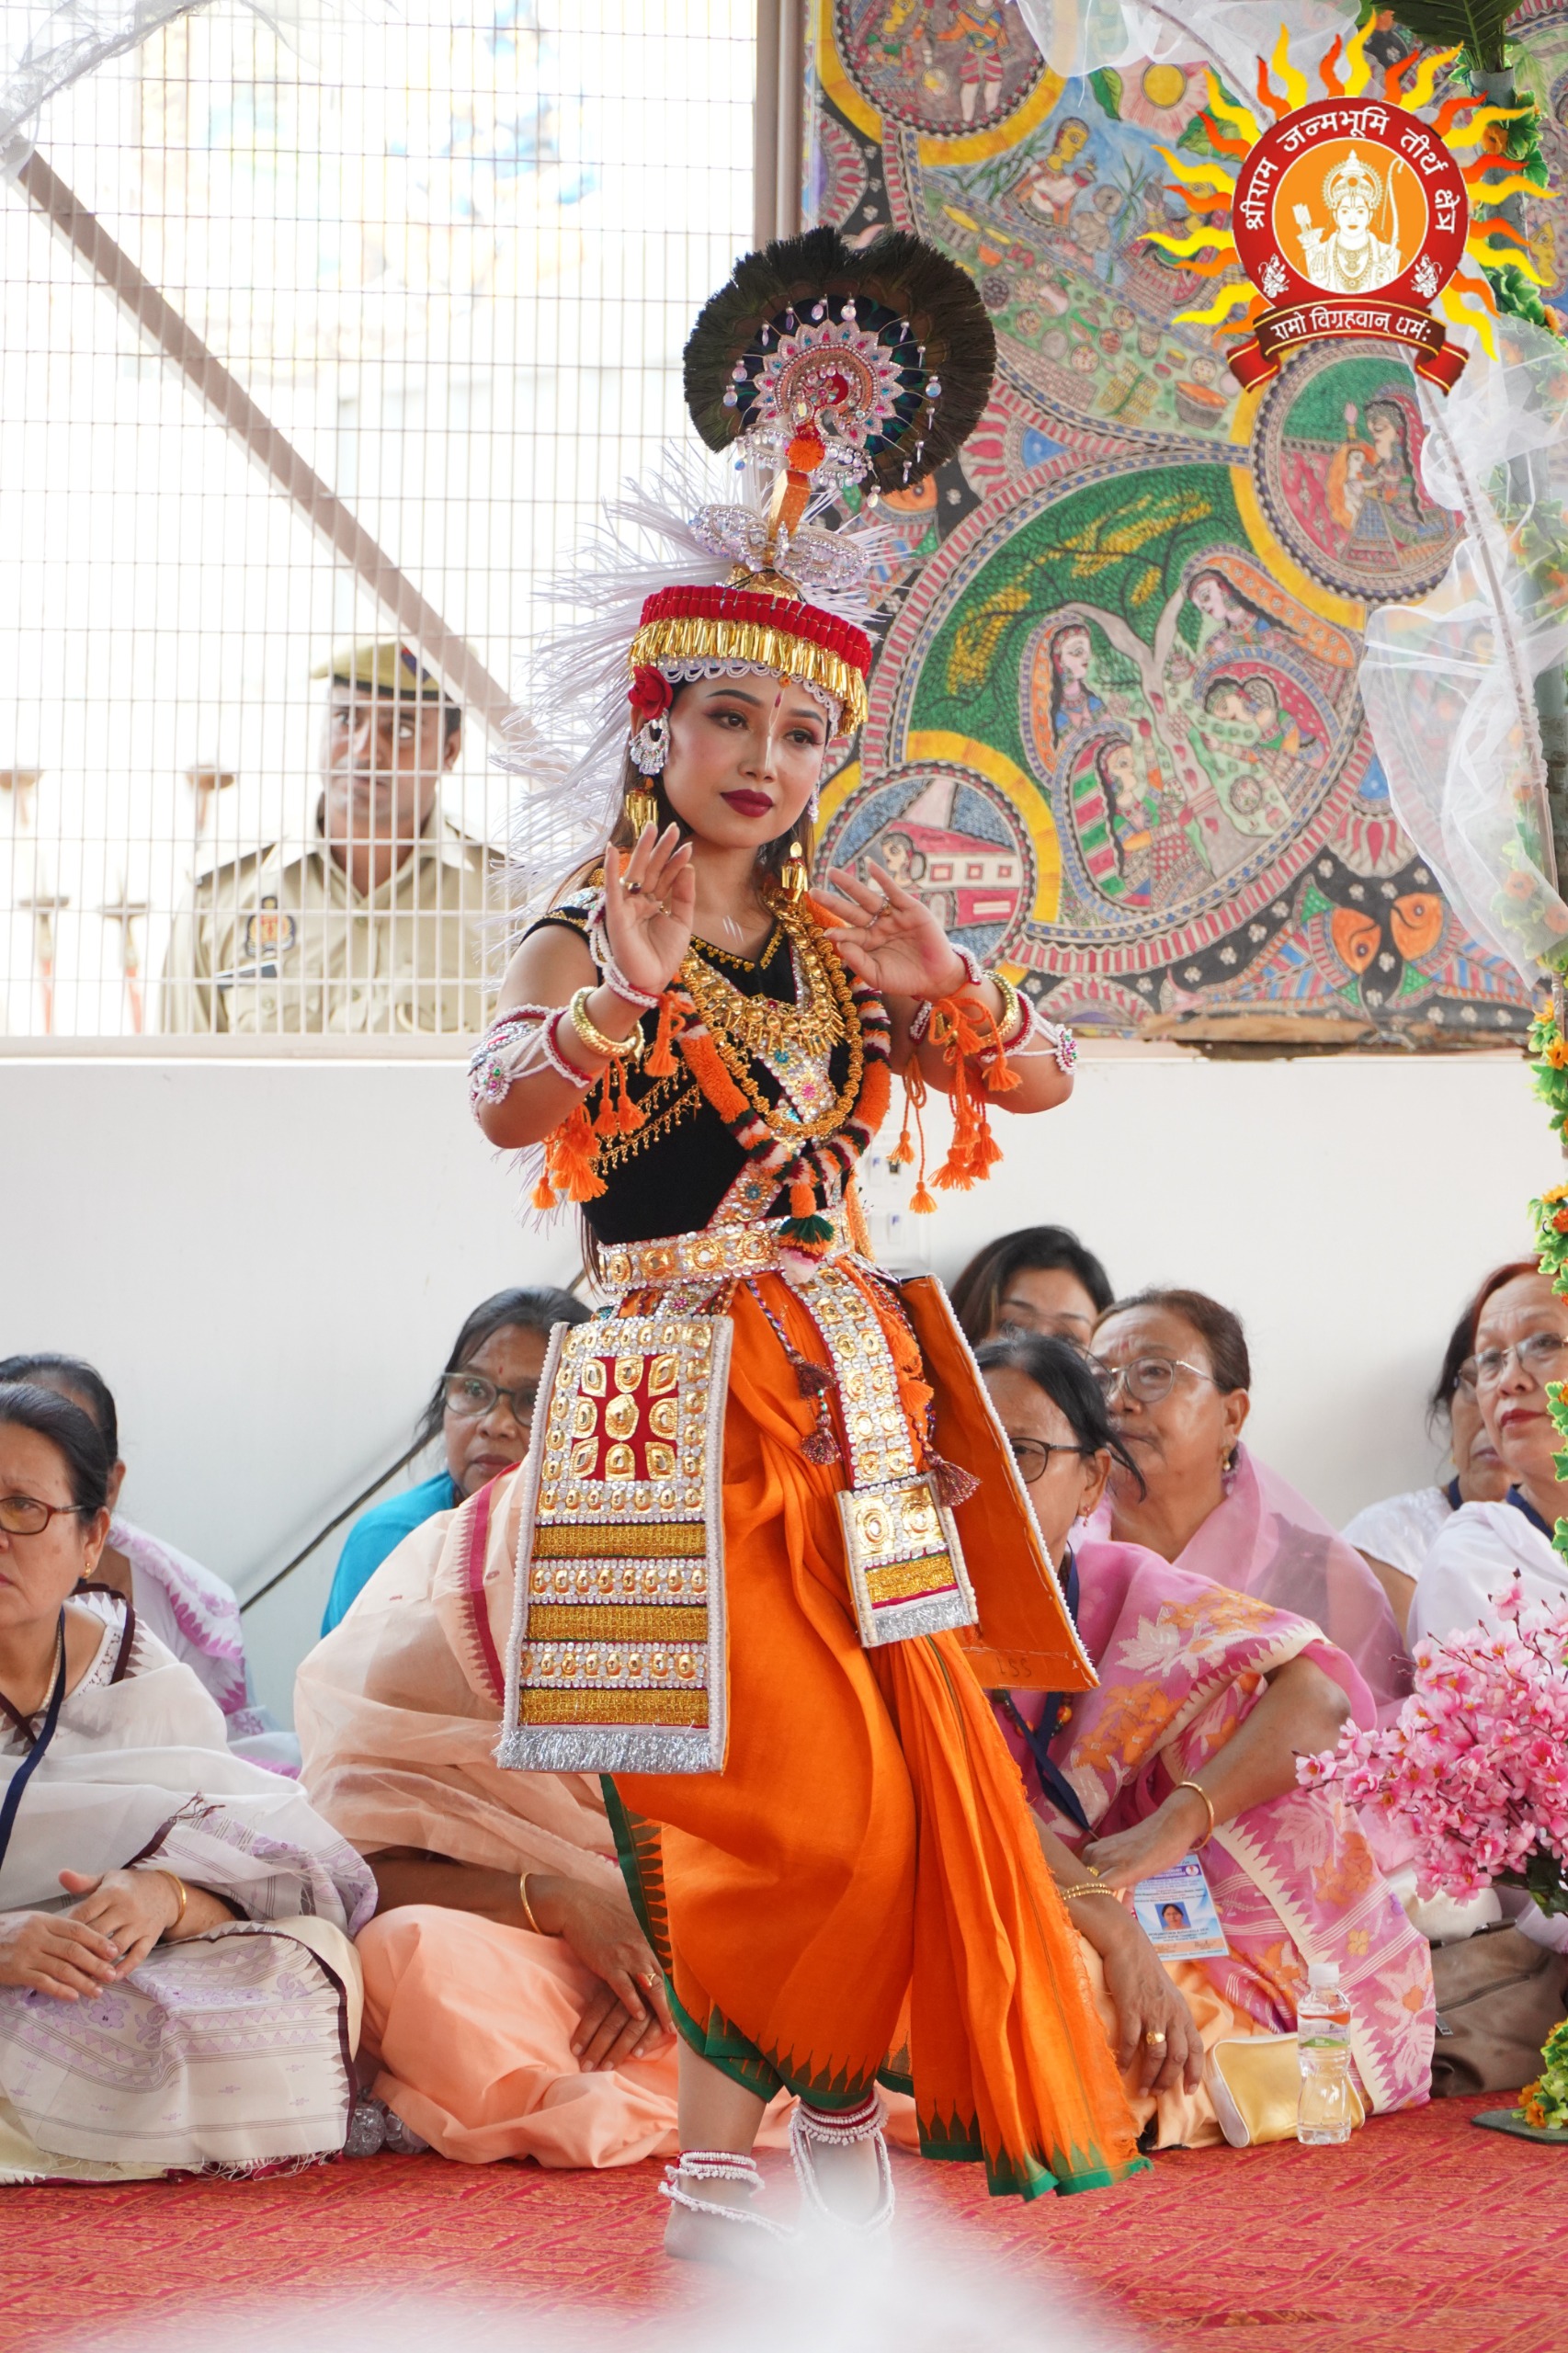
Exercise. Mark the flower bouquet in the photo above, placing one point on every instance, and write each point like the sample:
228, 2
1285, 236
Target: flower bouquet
1475, 1769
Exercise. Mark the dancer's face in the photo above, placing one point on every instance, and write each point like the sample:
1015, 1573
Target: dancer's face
745, 756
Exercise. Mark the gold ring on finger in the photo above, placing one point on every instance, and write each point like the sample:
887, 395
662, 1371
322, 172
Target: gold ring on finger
1155, 2039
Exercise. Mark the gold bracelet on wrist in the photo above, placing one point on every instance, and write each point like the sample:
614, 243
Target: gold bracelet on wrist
1198, 1788
529, 1917
614, 1050
179, 1889
1085, 1887
1011, 1027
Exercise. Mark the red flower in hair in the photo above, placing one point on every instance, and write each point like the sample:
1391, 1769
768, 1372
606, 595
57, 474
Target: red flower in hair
650, 694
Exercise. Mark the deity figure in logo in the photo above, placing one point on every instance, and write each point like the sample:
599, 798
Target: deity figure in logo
1348, 258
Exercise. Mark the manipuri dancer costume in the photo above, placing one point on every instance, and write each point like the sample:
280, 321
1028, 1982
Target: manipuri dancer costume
755, 1588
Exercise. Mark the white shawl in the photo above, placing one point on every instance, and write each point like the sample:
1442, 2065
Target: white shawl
142, 1768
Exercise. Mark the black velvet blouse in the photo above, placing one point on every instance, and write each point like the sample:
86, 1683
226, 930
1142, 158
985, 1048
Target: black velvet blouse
671, 1174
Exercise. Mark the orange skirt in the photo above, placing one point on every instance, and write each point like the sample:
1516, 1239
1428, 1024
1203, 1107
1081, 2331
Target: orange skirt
860, 1893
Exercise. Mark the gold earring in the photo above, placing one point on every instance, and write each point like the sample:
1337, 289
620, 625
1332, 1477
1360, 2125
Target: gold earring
792, 875
641, 808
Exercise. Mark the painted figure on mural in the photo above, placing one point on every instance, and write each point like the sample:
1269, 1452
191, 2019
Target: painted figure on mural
1052, 187
1348, 258
1372, 483
1241, 611
978, 26
969, 881
1069, 656
1233, 742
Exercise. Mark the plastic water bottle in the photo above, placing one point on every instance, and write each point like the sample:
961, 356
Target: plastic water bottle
1324, 2110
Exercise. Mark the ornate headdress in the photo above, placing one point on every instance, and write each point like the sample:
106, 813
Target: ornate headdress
820, 369
1349, 176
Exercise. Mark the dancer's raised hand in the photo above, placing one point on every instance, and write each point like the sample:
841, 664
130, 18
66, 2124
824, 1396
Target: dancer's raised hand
889, 937
650, 905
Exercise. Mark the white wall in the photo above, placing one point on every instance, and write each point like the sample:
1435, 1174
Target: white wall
268, 1257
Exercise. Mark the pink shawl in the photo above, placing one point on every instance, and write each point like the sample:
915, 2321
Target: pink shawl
1182, 1663
1265, 1540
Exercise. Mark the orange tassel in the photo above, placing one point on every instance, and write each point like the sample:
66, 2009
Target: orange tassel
570, 1151
630, 1116
701, 1057
958, 1031
802, 1199
921, 1201
672, 1021
604, 1123
544, 1195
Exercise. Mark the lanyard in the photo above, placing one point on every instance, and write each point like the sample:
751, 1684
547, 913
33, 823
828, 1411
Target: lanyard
1053, 1781
34, 1757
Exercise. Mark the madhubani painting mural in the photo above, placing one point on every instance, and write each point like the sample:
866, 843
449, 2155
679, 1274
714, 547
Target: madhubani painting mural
1115, 736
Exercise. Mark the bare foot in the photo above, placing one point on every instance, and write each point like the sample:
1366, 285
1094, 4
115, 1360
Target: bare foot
849, 2179
725, 2239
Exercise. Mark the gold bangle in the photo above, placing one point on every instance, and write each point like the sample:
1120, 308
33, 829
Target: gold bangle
1012, 1009
1207, 1801
528, 1915
179, 1888
1085, 1887
614, 1050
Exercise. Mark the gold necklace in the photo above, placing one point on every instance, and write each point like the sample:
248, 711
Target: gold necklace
791, 1036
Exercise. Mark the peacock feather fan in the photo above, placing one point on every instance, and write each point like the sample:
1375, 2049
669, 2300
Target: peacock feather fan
884, 352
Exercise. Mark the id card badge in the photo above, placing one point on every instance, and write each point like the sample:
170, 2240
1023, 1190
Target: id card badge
1177, 1913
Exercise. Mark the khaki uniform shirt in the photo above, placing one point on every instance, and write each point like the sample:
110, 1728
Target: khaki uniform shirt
281, 940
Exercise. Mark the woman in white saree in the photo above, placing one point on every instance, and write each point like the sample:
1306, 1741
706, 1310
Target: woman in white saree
177, 1988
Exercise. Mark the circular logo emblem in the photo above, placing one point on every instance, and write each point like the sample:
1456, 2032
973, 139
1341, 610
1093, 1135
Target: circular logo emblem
1343, 201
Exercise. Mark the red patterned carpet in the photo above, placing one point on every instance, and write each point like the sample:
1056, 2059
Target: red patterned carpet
1421, 2237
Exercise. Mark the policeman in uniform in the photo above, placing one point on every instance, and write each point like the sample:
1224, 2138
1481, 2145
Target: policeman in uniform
379, 921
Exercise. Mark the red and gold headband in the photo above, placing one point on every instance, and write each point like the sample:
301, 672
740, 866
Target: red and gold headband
766, 630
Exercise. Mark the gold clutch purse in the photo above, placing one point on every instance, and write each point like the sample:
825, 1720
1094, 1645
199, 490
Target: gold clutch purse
1255, 2083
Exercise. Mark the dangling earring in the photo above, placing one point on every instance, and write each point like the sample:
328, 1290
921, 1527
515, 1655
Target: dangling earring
650, 747
641, 808
792, 875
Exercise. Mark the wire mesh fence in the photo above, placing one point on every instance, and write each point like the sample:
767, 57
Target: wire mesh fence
316, 358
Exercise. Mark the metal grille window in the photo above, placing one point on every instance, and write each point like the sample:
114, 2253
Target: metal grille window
307, 348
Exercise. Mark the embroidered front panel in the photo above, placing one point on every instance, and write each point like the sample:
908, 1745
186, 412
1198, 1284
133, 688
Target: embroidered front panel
902, 1550
617, 1660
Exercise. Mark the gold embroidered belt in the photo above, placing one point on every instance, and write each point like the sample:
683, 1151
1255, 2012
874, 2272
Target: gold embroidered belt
617, 1661
716, 1255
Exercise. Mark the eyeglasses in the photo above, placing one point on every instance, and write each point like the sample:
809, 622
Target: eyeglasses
1538, 1354
469, 1396
1033, 1455
1465, 1377
1149, 1379
24, 1516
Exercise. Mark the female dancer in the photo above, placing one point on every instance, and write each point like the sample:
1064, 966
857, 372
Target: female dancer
748, 1572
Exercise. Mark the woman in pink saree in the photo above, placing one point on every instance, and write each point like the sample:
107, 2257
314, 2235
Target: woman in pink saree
1179, 1377
1205, 1698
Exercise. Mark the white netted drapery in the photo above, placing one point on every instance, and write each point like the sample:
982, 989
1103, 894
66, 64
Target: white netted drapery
446, 255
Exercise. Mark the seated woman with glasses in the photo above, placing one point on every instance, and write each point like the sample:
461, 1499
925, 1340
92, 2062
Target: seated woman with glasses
1395, 1537
482, 1411
1188, 1745
1039, 1280
177, 1989
194, 1614
1521, 1344
1177, 1378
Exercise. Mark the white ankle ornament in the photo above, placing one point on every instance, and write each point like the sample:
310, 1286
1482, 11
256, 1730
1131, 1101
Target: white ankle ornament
840, 2128
718, 2164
